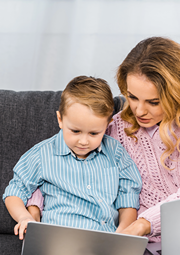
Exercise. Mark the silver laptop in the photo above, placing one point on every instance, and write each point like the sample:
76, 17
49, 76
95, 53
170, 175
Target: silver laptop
170, 230
170, 227
46, 239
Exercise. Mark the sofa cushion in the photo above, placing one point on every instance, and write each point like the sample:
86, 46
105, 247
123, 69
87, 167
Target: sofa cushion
10, 244
26, 118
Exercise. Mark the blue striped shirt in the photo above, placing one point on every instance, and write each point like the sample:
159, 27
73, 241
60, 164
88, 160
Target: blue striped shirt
84, 193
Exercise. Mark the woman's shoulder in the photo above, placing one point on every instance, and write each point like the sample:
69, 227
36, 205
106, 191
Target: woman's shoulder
116, 127
117, 120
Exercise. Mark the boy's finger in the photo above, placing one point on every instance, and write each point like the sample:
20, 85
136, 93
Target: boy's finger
16, 229
21, 232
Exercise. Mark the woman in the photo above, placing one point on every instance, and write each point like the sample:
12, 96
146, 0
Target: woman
149, 126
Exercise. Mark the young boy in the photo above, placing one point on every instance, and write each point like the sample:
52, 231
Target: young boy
85, 176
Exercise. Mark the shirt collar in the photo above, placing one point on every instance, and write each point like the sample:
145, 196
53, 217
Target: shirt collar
60, 146
152, 130
102, 147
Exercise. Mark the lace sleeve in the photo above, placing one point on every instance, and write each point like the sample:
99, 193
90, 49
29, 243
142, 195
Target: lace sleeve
36, 199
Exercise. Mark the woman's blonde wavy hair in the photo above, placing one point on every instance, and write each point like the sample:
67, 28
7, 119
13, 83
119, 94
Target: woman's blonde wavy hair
159, 60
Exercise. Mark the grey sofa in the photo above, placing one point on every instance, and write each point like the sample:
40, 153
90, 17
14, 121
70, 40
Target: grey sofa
26, 118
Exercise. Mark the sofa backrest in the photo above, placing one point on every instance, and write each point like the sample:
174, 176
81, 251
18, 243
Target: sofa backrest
26, 118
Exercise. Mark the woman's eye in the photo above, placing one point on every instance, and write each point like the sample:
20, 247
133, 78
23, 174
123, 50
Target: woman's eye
154, 103
132, 97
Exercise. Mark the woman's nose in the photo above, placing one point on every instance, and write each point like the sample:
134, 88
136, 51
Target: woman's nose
141, 110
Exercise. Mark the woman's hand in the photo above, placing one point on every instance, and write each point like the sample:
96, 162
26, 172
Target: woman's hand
139, 227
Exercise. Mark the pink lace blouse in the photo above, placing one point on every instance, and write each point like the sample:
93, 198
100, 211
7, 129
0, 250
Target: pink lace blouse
159, 184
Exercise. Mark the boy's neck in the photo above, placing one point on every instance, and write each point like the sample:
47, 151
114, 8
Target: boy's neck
98, 149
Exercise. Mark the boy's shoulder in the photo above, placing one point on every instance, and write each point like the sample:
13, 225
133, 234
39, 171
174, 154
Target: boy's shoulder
115, 151
108, 138
37, 147
46, 141
111, 142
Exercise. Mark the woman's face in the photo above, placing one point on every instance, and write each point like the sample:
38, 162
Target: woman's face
144, 101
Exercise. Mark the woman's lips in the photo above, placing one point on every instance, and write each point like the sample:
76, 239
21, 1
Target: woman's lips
143, 120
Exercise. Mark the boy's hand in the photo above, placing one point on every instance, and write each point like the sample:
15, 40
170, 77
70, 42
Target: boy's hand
139, 227
19, 213
21, 226
126, 217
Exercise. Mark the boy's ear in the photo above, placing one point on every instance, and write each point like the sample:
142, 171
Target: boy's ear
59, 119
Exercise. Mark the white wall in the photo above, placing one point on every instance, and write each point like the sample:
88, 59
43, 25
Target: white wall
45, 43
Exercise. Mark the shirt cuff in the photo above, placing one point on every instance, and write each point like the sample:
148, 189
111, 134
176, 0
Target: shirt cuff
127, 201
150, 234
153, 216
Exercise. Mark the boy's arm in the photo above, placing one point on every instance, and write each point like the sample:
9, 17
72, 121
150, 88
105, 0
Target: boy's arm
19, 213
126, 217
130, 185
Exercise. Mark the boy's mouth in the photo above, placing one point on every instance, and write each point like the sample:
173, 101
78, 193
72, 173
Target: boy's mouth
82, 148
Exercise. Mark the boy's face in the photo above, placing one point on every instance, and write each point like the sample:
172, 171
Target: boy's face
82, 129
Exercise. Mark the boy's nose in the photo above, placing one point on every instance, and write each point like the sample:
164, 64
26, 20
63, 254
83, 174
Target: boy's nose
83, 140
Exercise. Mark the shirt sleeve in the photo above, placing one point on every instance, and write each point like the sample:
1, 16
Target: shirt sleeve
27, 176
153, 214
130, 182
36, 199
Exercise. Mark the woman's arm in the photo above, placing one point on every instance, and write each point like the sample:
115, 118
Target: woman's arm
35, 204
153, 213
148, 218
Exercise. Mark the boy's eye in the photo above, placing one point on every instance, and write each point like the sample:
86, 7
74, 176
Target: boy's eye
93, 133
75, 131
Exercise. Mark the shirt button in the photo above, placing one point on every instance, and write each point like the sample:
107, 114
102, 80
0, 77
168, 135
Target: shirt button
88, 186
103, 222
100, 200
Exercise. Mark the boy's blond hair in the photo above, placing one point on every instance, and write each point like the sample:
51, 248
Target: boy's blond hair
94, 93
